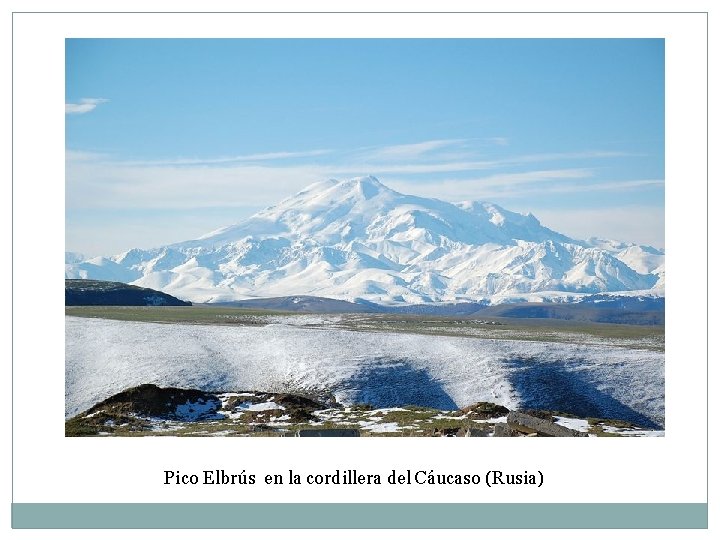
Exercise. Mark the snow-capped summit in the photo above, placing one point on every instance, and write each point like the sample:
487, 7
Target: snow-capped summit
358, 239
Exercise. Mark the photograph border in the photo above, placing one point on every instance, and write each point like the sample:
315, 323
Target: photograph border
362, 515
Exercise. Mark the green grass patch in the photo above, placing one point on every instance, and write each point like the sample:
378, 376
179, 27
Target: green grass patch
408, 417
177, 314
543, 330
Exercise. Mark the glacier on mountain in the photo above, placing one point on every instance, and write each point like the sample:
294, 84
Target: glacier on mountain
358, 239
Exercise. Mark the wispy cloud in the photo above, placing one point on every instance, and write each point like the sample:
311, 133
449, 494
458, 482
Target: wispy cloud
627, 185
421, 168
427, 157
456, 155
566, 188
268, 156
531, 177
100, 184
499, 141
555, 156
489, 186
261, 179
409, 151
84, 106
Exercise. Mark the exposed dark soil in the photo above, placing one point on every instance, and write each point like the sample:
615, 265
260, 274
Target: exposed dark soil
149, 409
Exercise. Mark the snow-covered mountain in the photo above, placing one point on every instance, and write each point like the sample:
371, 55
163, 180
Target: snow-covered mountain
359, 240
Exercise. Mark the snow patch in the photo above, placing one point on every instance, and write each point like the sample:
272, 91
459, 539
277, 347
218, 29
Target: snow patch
266, 406
573, 423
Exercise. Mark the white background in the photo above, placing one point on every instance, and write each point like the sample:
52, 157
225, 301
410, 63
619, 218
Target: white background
51, 468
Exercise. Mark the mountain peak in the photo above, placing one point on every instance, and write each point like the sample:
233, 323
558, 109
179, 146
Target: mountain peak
369, 179
366, 186
316, 187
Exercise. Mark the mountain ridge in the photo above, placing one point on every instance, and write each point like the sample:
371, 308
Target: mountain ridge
358, 240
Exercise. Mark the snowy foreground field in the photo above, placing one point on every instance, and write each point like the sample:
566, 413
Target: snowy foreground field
104, 357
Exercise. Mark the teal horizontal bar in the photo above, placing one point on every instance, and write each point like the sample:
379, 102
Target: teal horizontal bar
359, 516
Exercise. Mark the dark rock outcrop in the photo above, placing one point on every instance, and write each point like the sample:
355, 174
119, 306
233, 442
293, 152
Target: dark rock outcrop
532, 425
90, 292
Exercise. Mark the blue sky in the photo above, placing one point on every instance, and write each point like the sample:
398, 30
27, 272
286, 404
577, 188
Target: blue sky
168, 139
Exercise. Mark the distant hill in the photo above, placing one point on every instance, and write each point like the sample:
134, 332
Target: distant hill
581, 312
595, 308
90, 292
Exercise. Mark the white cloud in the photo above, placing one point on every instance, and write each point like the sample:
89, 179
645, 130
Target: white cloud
85, 106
